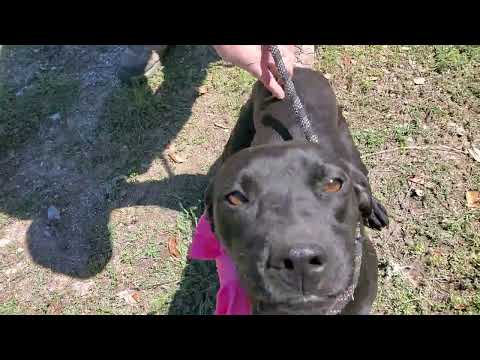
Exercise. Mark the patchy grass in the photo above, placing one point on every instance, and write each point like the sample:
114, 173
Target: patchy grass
10, 307
22, 116
198, 283
455, 57
429, 255
369, 139
123, 200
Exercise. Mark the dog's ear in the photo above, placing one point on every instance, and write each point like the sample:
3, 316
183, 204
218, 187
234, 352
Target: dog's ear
373, 212
364, 197
208, 202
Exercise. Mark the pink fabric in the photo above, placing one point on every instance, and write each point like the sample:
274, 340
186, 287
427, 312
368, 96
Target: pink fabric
231, 297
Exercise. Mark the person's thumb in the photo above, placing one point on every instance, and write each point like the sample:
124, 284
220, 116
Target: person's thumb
271, 84
263, 73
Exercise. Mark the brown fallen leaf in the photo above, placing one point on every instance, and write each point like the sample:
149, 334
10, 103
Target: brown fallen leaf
473, 199
176, 158
136, 296
131, 297
172, 247
170, 150
419, 81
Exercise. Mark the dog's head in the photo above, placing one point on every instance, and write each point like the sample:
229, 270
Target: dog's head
287, 215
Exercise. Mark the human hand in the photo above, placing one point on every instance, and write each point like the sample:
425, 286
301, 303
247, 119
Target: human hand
257, 60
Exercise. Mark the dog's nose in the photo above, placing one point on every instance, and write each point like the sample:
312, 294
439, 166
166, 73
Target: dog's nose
298, 263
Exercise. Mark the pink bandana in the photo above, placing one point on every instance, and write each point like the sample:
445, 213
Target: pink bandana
231, 297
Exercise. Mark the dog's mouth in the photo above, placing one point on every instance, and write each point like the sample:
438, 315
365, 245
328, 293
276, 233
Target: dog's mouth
311, 304
306, 307
319, 304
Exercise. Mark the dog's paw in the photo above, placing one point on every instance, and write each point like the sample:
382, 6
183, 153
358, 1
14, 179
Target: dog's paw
378, 218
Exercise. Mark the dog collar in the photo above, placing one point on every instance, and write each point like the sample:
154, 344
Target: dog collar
348, 295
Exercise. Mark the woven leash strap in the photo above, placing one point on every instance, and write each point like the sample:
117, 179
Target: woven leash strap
291, 95
347, 295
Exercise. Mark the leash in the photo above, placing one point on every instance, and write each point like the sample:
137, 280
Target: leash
291, 95
301, 115
347, 295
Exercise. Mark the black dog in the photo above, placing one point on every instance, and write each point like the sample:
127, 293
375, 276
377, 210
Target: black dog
290, 212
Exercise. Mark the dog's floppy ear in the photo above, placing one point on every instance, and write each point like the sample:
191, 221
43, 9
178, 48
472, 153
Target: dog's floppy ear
364, 196
208, 202
373, 213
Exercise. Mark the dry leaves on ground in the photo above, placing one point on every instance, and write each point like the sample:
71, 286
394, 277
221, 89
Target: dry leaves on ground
173, 247
170, 150
473, 199
131, 297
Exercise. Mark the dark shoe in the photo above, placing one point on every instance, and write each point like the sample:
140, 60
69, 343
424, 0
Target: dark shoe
140, 61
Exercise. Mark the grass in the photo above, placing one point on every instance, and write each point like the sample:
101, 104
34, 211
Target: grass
438, 232
429, 257
455, 57
22, 116
369, 139
10, 307
198, 283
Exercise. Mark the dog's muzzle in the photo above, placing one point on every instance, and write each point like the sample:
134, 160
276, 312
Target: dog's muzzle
336, 306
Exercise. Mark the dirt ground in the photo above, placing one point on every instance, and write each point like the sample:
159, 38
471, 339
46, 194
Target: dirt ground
101, 184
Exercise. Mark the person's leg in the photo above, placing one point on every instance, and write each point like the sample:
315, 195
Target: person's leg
140, 60
305, 55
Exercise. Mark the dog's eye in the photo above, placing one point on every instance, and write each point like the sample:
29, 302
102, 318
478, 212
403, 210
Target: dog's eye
333, 185
236, 198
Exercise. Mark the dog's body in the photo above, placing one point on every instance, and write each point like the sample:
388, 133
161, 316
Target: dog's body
287, 211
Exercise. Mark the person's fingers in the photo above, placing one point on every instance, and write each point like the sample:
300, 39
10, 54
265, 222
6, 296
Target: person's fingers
269, 77
288, 58
262, 73
271, 84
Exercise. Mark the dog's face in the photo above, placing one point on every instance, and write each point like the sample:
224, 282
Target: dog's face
287, 215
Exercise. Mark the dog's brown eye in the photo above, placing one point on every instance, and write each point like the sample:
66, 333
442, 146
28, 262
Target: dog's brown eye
333, 185
236, 198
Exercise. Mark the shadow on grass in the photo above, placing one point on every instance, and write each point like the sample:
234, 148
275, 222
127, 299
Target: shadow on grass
45, 163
